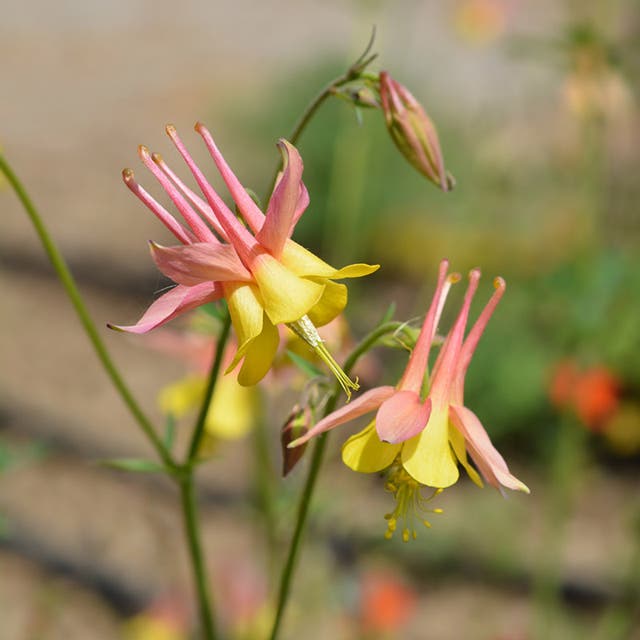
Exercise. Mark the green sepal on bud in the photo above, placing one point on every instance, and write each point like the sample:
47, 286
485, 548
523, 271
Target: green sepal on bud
359, 93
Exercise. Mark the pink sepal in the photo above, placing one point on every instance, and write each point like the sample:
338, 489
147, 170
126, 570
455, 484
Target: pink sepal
484, 454
402, 416
368, 401
172, 304
283, 204
200, 262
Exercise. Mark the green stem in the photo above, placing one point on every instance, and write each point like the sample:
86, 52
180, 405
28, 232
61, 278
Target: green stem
301, 520
192, 529
188, 505
263, 487
353, 72
69, 284
316, 462
186, 482
198, 431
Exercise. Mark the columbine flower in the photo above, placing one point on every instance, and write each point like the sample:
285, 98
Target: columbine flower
413, 131
266, 278
421, 436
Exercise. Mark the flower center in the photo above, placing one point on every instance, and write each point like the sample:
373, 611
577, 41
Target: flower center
411, 504
306, 330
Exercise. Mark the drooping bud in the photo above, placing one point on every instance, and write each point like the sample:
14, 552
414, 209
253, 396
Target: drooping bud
413, 131
295, 427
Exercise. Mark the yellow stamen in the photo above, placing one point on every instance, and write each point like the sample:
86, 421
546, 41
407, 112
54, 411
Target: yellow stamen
306, 330
410, 503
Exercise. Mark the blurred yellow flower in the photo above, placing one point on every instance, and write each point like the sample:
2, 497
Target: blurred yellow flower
233, 406
166, 619
148, 627
231, 410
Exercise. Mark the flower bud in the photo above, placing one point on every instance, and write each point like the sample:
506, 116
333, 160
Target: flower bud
296, 426
413, 132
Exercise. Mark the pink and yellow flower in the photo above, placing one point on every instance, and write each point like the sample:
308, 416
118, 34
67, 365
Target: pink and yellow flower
266, 278
422, 429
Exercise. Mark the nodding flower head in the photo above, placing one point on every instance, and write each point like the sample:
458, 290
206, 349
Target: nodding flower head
422, 431
266, 278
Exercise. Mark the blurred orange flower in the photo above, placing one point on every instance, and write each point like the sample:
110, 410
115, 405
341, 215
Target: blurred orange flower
592, 394
386, 602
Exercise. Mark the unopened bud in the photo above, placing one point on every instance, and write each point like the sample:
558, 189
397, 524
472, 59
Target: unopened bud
295, 427
413, 132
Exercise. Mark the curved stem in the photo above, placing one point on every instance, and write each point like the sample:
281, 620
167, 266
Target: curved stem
316, 462
350, 74
69, 284
186, 481
192, 530
198, 431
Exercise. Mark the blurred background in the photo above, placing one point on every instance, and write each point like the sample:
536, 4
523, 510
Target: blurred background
536, 105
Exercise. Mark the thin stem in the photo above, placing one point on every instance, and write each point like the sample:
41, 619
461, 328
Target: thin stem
301, 520
186, 482
192, 530
263, 482
316, 462
198, 431
196, 556
69, 284
261, 452
350, 74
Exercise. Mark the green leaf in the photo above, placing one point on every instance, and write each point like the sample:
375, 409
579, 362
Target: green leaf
137, 465
305, 366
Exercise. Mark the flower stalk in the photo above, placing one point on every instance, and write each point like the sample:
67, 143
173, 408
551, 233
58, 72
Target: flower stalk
71, 288
317, 458
352, 73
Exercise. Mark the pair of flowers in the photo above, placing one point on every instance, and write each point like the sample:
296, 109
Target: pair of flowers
421, 426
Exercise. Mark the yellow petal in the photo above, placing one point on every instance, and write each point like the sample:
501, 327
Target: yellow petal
246, 313
259, 355
330, 305
355, 270
180, 398
304, 263
366, 453
427, 457
231, 411
457, 442
286, 296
